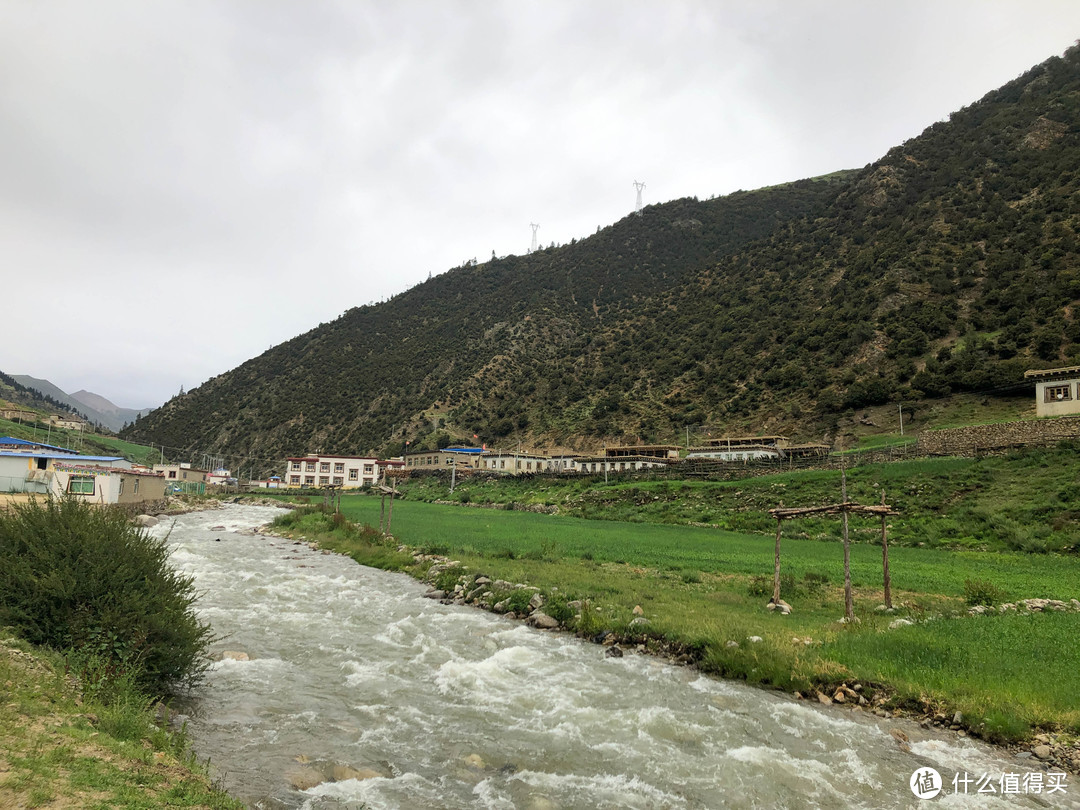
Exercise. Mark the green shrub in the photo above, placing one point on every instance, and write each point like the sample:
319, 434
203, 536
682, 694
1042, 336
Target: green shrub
557, 608
982, 592
76, 576
449, 578
518, 601
762, 585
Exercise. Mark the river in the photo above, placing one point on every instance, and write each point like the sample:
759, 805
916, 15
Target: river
442, 706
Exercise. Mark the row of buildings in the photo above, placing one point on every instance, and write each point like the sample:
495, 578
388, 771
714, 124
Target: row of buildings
36, 468
349, 472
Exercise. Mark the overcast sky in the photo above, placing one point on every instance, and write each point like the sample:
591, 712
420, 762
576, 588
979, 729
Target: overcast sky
184, 184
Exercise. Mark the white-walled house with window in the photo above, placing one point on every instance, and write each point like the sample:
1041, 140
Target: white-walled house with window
96, 479
347, 472
1057, 390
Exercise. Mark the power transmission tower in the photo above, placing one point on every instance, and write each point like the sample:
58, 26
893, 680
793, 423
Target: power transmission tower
535, 226
639, 187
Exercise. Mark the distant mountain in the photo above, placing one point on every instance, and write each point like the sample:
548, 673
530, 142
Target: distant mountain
113, 416
94, 407
951, 264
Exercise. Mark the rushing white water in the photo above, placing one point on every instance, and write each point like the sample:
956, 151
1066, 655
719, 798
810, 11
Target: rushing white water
455, 707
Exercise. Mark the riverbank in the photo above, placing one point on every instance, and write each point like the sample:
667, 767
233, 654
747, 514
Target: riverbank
60, 748
939, 664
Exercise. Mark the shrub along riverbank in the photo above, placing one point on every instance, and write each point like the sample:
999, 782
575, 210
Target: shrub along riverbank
116, 631
1010, 674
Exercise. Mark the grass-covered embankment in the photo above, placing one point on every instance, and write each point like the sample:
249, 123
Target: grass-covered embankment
1023, 501
115, 631
62, 745
702, 588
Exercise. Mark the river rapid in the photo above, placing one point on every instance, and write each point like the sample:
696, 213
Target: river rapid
453, 707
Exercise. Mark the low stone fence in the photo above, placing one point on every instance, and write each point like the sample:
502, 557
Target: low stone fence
980, 438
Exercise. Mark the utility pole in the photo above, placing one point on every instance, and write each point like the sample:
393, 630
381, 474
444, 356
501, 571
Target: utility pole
453, 474
535, 227
901, 418
637, 206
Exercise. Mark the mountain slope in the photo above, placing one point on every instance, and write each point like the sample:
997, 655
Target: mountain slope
94, 407
951, 264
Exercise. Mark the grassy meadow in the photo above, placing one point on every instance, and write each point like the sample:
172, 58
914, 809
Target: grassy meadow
702, 586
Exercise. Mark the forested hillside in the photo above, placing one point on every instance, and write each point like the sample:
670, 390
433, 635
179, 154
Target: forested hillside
951, 264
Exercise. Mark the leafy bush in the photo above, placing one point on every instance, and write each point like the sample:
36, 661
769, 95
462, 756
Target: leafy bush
982, 592
75, 576
518, 600
557, 608
762, 585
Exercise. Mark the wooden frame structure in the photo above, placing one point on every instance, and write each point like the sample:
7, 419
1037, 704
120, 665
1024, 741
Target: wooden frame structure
845, 508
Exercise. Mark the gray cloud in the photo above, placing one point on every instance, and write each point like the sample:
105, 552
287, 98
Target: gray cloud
191, 182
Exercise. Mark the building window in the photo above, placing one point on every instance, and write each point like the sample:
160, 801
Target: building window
135, 490
354, 474
294, 479
369, 469
339, 467
296, 466
120, 491
309, 479
1058, 393
324, 479
324, 466
338, 480
172, 473
309, 466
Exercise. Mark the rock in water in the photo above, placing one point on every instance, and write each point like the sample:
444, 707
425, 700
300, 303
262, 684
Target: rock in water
542, 621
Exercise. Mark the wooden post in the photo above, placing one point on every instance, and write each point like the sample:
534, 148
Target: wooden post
776, 571
382, 514
885, 556
390, 513
849, 602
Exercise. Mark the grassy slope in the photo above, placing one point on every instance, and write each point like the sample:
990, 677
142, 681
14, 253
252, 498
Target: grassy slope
85, 443
57, 750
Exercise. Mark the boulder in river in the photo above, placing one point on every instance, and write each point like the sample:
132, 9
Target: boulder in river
542, 621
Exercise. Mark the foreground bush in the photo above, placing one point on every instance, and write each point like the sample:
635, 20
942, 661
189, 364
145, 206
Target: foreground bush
83, 578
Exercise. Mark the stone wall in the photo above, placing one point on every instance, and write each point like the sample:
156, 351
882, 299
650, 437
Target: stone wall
978, 438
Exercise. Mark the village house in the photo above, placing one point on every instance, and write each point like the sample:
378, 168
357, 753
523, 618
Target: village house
183, 478
96, 479
463, 457
629, 458
1056, 392
18, 415
514, 463
754, 448
12, 445
347, 472
69, 422
740, 448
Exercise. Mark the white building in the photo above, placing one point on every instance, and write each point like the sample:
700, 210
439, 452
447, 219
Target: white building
97, 479
347, 472
1056, 392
